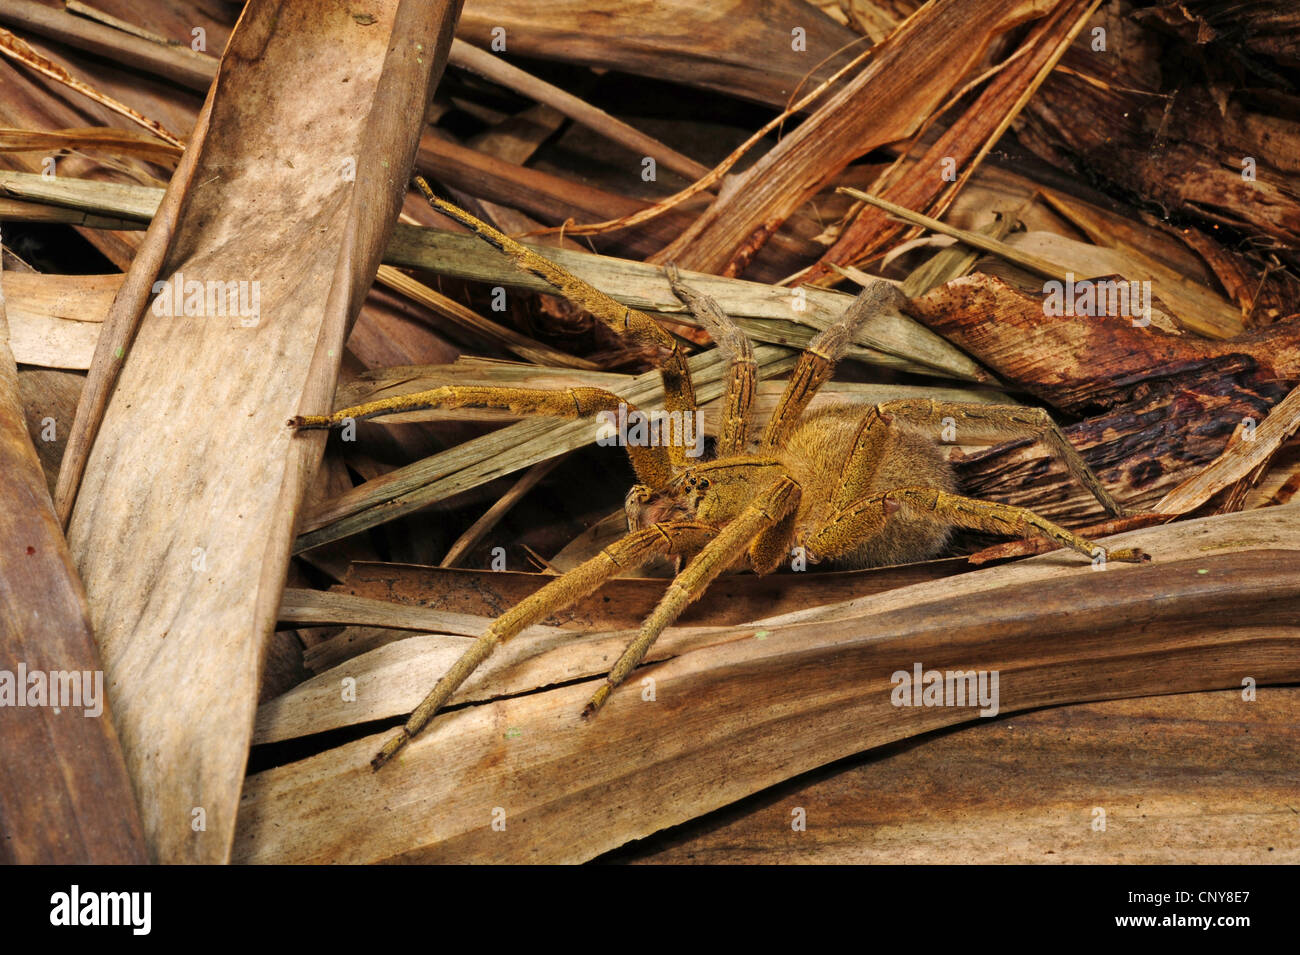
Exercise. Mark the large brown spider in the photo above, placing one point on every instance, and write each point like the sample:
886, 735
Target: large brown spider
853, 486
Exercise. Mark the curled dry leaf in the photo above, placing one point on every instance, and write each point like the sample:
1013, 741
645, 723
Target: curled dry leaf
183, 544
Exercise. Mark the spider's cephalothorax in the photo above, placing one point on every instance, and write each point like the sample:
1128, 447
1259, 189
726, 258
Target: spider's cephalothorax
852, 486
814, 456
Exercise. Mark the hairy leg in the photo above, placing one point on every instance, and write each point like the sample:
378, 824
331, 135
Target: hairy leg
631, 551
636, 326
650, 462
742, 369
876, 434
765, 511
848, 526
817, 363
1002, 421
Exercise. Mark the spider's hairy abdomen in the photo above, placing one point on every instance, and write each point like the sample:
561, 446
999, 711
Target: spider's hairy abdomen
816, 455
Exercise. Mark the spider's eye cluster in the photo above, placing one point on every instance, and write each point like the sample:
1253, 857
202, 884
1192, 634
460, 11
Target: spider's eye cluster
701, 483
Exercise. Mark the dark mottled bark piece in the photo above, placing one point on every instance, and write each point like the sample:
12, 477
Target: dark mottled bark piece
1186, 144
1160, 405
1141, 449
1267, 27
1084, 364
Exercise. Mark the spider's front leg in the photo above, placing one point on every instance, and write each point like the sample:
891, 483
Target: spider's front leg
625, 554
739, 537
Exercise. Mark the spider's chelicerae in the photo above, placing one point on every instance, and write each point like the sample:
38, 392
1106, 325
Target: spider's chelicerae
854, 486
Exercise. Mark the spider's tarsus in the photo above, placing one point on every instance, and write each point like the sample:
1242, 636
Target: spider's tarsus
1128, 555
390, 750
597, 701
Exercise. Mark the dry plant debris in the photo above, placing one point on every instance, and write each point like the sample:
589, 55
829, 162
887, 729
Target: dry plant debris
1055, 243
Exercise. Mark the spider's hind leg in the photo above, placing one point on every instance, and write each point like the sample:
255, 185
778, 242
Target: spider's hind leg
1007, 519
1002, 421
849, 526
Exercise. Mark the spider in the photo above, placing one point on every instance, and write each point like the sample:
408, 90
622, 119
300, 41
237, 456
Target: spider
852, 486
